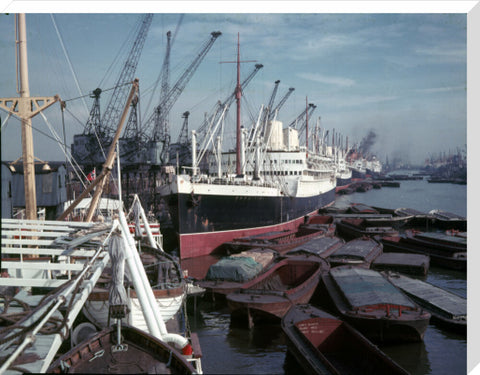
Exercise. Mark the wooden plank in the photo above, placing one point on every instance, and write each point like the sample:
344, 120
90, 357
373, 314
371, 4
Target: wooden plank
48, 251
43, 265
29, 233
62, 228
23, 282
25, 242
79, 224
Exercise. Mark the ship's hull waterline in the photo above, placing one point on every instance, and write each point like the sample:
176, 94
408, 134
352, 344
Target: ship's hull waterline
204, 221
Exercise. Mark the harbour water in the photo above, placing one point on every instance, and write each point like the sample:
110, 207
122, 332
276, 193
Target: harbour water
237, 350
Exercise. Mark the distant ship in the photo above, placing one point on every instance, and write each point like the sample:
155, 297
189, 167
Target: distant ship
359, 172
343, 173
373, 167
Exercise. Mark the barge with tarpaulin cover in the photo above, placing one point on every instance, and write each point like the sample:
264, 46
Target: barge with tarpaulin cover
413, 264
374, 306
280, 241
444, 250
322, 246
268, 297
231, 272
448, 220
354, 228
359, 252
324, 344
448, 309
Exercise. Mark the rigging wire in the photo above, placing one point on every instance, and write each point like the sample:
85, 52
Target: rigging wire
68, 59
64, 150
6, 120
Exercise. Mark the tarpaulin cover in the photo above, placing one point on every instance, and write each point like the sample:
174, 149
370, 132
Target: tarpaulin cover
239, 269
364, 287
359, 248
262, 256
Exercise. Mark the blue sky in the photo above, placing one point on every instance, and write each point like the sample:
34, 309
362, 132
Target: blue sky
401, 75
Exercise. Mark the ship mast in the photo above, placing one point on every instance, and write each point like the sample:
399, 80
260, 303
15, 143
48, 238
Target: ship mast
26, 107
306, 131
238, 95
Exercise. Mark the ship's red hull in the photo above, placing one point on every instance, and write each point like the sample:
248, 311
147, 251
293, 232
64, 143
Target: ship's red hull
200, 244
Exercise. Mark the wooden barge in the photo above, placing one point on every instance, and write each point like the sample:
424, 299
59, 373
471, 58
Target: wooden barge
418, 218
448, 309
359, 252
280, 241
373, 305
355, 228
413, 264
290, 281
324, 344
322, 246
448, 220
444, 250
230, 273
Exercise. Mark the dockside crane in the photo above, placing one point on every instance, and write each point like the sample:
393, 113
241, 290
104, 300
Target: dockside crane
88, 147
183, 136
156, 126
114, 108
131, 152
180, 152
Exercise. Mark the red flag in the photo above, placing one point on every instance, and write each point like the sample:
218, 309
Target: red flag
91, 176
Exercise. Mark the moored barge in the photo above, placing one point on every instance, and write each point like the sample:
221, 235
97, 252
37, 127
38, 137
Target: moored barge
324, 344
374, 306
359, 252
448, 309
268, 297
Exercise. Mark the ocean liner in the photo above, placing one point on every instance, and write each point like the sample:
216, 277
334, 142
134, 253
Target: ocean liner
269, 183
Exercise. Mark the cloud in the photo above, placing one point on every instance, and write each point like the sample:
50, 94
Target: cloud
443, 53
441, 89
335, 81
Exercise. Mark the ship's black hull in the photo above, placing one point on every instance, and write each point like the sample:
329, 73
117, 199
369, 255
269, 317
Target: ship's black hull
357, 174
194, 215
343, 181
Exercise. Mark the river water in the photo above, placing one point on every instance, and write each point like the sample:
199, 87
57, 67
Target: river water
263, 349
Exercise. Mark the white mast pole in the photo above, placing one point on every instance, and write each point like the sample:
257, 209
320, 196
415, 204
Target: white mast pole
27, 137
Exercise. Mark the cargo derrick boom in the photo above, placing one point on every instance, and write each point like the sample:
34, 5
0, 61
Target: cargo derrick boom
308, 114
205, 129
268, 111
280, 104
